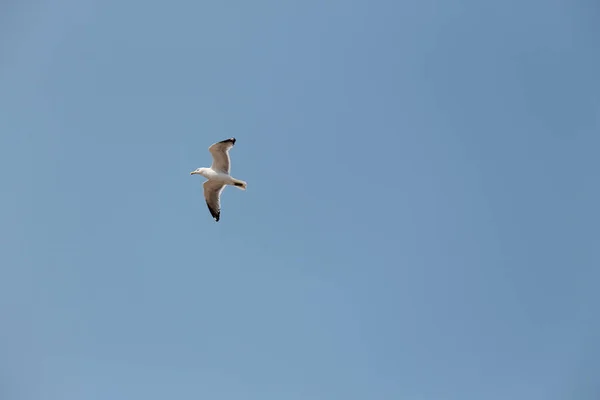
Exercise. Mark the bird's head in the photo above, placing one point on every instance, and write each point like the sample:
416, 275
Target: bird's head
198, 171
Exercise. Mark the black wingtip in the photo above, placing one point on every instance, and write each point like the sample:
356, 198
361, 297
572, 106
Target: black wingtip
230, 140
215, 214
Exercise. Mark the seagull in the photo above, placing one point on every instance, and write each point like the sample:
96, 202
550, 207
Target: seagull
218, 176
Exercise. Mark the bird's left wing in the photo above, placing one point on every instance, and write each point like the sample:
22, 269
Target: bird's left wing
220, 154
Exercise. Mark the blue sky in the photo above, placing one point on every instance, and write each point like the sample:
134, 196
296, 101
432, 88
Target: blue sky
421, 220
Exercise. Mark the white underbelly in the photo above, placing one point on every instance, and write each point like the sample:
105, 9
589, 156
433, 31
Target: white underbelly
219, 177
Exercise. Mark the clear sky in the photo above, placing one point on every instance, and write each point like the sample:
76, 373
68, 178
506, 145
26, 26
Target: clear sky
421, 220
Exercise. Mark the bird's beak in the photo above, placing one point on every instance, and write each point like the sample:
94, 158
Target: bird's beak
192, 173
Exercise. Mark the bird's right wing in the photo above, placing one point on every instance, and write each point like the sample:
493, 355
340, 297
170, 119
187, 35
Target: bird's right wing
212, 195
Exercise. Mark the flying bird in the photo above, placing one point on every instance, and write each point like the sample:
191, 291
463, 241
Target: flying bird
218, 176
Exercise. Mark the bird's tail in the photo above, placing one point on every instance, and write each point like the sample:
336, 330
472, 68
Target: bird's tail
239, 184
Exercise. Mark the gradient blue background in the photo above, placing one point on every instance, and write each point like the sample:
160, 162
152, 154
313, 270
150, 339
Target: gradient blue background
421, 220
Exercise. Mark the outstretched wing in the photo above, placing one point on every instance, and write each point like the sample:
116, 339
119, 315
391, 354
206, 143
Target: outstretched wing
212, 195
220, 154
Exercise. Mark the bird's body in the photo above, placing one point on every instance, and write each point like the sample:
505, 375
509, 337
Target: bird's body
218, 176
